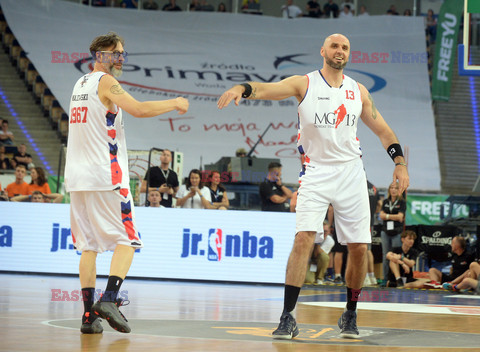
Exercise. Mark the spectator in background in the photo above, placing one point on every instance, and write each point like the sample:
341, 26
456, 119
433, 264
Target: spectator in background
240, 153
129, 4
39, 181
171, 6
461, 260
392, 214
218, 193
407, 12
154, 198
19, 187
313, 9
21, 157
331, 9
150, 5
401, 261
392, 11
349, 4
251, 5
273, 194
373, 197
162, 179
39, 197
194, 5
346, 12
289, 10
205, 6
221, 7
193, 194
6, 137
4, 161
431, 26
363, 11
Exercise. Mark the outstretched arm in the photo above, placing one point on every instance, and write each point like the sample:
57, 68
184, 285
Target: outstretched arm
110, 90
374, 120
294, 86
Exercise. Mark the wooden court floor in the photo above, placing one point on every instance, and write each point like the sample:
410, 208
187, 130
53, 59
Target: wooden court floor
42, 313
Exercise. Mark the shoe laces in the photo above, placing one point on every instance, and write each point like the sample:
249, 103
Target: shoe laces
120, 302
286, 322
349, 321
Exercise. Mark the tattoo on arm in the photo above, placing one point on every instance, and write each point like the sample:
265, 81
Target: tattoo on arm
254, 93
374, 109
117, 89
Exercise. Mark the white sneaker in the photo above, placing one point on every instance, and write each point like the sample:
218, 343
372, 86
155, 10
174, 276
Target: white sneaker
373, 281
320, 282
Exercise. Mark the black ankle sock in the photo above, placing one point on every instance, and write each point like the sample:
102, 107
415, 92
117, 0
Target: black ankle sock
291, 297
113, 286
352, 298
88, 297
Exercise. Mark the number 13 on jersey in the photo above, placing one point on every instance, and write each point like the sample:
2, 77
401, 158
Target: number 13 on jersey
78, 114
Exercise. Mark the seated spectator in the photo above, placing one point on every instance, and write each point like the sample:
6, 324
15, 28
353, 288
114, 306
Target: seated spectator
348, 3
218, 192
401, 261
21, 157
461, 260
19, 187
193, 194
273, 194
154, 198
171, 6
289, 10
150, 5
392, 11
162, 179
4, 161
39, 197
470, 281
363, 11
431, 26
6, 137
39, 181
251, 5
331, 9
221, 7
129, 4
194, 5
313, 9
346, 12
95, 2
407, 12
204, 6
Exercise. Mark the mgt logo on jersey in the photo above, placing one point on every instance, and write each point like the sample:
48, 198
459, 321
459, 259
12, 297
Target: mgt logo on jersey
220, 245
335, 118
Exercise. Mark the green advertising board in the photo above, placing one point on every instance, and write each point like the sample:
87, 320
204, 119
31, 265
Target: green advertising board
426, 209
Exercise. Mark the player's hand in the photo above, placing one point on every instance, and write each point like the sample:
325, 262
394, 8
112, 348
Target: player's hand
234, 93
400, 176
182, 105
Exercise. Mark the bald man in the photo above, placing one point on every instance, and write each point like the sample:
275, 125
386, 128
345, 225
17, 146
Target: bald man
330, 105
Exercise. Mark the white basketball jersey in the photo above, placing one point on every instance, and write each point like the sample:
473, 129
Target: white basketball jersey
328, 119
96, 152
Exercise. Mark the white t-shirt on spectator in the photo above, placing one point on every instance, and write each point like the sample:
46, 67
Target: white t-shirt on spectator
195, 202
291, 11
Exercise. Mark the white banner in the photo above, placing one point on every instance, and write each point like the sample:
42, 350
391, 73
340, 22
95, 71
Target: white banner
179, 243
199, 55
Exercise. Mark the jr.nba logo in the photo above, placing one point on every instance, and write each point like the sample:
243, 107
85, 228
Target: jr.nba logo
215, 245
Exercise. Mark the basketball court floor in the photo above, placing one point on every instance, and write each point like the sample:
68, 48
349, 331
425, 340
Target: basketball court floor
42, 313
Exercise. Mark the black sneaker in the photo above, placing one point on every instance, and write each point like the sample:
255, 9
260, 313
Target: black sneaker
338, 281
287, 329
110, 312
91, 324
348, 324
399, 283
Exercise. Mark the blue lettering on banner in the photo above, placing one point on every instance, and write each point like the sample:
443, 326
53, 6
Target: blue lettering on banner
6, 236
245, 245
59, 238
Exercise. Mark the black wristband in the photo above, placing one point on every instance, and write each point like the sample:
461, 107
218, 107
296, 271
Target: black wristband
394, 150
248, 90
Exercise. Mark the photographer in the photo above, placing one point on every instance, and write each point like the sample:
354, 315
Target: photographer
162, 179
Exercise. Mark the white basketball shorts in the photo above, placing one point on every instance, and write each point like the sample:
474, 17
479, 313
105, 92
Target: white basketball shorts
101, 220
344, 186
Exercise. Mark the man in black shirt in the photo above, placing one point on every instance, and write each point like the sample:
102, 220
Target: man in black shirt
461, 260
273, 194
162, 179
